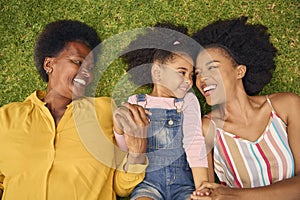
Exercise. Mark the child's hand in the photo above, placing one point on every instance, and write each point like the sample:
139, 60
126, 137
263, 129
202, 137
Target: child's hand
203, 192
121, 113
200, 192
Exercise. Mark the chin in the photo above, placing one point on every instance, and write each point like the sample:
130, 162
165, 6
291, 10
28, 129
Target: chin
77, 95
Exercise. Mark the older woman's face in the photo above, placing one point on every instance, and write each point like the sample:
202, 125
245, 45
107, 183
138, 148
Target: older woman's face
216, 76
71, 71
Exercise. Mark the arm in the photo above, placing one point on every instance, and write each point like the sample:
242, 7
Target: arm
193, 140
131, 120
287, 105
119, 134
200, 175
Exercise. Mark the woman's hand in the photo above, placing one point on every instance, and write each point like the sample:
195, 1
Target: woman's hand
213, 191
131, 120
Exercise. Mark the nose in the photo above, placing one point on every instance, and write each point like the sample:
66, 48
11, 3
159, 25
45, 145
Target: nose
188, 80
85, 71
202, 78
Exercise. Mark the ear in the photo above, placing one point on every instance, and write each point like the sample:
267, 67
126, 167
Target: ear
156, 72
48, 62
241, 71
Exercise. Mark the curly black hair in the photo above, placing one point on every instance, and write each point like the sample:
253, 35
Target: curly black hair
53, 39
159, 43
246, 44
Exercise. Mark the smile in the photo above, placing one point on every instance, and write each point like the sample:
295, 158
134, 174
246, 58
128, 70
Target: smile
80, 81
208, 89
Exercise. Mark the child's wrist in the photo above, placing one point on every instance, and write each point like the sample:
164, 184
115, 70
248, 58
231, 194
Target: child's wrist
118, 131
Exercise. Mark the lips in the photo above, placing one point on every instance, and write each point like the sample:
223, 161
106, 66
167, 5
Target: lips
208, 89
80, 81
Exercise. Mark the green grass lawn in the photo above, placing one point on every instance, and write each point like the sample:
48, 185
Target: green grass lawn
22, 21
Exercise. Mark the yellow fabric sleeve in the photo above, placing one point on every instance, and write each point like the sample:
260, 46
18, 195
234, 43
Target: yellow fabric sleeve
125, 182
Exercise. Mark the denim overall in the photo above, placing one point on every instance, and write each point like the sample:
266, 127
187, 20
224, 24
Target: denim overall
168, 176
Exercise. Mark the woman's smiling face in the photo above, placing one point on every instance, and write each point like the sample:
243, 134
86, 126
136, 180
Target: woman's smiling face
215, 75
71, 70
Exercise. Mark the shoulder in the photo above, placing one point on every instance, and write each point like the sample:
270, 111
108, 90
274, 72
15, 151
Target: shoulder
103, 100
206, 123
191, 98
284, 97
285, 103
190, 95
104, 103
12, 113
16, 107
133, 99
191, 102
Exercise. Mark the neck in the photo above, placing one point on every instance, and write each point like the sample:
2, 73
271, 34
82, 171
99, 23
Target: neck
160, 91
56, 104
236, 107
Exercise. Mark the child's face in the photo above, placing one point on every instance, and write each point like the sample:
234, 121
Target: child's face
175, 77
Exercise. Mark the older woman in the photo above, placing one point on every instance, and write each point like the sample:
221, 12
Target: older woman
58, 144
256, 148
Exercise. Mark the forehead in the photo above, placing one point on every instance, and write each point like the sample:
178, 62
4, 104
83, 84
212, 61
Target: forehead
78, 49
213, 53
180, 59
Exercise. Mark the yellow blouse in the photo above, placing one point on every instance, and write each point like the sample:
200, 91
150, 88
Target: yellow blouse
77, 160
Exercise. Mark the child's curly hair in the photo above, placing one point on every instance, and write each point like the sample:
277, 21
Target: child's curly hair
247, 44
56, 35
159, 43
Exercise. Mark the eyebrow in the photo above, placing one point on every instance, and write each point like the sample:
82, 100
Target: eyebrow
212, 61
183, 68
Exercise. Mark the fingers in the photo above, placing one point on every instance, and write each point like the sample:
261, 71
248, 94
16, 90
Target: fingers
130, 117
207, 185
139, 114
203, 192
195, 197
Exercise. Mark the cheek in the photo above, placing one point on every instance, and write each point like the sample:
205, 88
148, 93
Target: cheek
197, 82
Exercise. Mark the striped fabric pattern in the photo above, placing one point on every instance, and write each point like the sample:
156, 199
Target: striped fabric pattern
240, 163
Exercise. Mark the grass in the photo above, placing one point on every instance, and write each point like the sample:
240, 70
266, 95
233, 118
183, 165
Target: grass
21, 22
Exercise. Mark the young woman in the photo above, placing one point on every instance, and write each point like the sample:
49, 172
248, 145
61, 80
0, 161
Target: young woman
255, 138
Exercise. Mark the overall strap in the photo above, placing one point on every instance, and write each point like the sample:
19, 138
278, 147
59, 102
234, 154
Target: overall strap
141, 100
178, 103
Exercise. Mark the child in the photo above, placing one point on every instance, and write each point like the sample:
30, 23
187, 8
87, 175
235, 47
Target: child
175, 131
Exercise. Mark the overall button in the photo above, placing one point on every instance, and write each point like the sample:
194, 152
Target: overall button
170, 122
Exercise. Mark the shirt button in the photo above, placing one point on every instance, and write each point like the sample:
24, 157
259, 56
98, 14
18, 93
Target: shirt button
170, 122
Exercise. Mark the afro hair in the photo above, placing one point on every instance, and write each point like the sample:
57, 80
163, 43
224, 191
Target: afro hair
56, 35
158, 43
247, 44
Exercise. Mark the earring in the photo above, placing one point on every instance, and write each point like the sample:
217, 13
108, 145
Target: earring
48, 71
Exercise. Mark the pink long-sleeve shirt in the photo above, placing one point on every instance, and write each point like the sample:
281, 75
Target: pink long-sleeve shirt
193, 140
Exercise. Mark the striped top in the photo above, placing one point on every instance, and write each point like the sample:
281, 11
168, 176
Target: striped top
240, 163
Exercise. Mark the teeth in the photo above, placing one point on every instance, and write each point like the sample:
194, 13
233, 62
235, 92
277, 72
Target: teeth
210, 87
80, 81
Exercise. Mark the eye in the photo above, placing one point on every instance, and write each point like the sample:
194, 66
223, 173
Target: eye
212, 67
197, 72
182, 73
77, 62
90, 67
